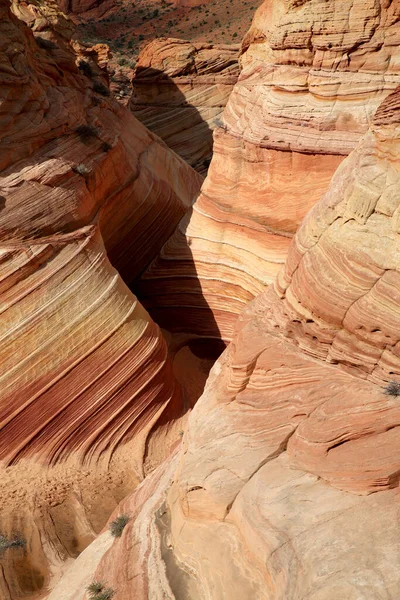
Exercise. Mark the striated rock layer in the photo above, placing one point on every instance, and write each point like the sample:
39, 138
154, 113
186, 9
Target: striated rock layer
286, 485
84, 371
313, 74
179, 92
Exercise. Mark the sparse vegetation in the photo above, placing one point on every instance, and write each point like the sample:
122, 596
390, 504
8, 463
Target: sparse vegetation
392, 388
86, 132
5, 543
98, 591
85, 68
129, 24
100, 88
118, 525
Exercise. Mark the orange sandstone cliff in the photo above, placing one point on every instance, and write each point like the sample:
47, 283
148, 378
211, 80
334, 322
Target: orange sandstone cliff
85, 189
313, 74
180, 90
286, 485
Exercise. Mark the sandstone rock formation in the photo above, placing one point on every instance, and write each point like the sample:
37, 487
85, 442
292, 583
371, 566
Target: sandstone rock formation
286, 486
312, 78
84, 371
87, 8
179, 92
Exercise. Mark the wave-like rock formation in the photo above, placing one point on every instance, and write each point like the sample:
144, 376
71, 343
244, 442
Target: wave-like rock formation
313, 74
84, 370
286, 485
180, 90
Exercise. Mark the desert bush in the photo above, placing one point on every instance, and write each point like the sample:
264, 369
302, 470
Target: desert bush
86, 132
100, 88
106, 594
118, 525
392, 388
5, 543
85, 68
98, 591
94, 588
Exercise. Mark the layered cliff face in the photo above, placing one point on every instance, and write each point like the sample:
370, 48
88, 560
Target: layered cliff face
180, 90
84, 370
313, 74
271, 494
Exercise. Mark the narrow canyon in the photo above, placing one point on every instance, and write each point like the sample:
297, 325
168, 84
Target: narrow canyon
200, 307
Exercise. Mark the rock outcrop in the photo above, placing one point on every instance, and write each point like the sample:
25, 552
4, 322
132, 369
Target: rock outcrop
86, 8
313, 74
286, 485
180, 90
84, 372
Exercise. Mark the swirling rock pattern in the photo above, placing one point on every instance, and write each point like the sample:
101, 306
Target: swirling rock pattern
273, 493
312, 78
180, 90
84, 370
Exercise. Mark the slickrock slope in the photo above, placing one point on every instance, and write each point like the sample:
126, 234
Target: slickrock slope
286, 486
313, 74
84, 371
179, 92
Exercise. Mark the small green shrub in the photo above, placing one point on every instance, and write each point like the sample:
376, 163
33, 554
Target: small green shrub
98, 591
392, 388
106, 594
85, 68
86, 132
94, 588
100, 88
118, 525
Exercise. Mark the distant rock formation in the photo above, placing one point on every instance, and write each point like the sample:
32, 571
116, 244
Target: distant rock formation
92, 8
256, 502
313, 74
180, 90
84, 371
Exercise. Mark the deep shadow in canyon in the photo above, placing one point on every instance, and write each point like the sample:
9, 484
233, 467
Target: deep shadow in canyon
192, 333
161, 106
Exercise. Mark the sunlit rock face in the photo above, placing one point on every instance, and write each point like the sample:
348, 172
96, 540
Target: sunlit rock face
313, 74
180, 90
286, 485
87, 197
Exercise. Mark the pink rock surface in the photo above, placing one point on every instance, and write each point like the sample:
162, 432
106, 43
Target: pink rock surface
310, 83
286, 485
180, 90
85, 376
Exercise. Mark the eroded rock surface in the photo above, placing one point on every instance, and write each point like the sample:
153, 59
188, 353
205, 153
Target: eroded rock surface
286, 485
180, 90
84, 370
312, 78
